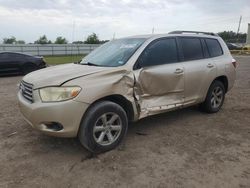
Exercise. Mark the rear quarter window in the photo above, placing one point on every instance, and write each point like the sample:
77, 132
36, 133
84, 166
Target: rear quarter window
214, 47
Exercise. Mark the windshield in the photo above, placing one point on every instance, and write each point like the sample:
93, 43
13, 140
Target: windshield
114, 53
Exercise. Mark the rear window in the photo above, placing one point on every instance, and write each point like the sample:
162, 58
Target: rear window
192, 48
3, 56
214, 47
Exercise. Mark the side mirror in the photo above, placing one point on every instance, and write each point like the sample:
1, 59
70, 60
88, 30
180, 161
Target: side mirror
77, 62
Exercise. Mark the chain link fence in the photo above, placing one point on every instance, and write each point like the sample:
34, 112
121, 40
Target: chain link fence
49, 49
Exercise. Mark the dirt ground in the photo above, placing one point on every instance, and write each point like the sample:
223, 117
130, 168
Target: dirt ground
184, 148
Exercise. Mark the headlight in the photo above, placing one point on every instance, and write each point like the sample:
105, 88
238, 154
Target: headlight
55, 94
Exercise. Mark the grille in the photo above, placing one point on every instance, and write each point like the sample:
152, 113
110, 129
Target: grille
27, 91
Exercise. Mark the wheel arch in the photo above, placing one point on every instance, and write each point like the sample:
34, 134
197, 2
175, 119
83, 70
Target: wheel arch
224, 80
120, 100
206, 105
221, 78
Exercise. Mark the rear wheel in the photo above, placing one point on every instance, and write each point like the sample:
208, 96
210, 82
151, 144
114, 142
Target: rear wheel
215, 97
103, 127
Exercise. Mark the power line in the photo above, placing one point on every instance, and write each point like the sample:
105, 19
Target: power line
210, 21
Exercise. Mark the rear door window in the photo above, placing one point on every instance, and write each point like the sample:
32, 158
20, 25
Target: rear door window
192, 49
214, 47
18, 56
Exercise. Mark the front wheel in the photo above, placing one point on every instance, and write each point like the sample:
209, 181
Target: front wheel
215, 97
103, 127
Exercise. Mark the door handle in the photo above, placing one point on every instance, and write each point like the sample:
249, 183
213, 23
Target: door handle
209, 65
178, 71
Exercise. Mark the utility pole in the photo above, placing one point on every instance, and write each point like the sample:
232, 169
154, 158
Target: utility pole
153, 30
239, 25
73, 30
73, 36
238, 29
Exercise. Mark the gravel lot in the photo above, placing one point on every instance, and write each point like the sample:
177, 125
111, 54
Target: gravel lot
185, 148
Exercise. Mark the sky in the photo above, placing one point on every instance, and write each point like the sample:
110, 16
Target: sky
76, 19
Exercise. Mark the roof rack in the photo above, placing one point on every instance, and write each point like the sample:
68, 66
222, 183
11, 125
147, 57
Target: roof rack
196, 32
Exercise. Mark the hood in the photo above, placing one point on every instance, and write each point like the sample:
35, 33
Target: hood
57, 75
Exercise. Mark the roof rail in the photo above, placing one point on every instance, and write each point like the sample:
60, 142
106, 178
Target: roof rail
196, 32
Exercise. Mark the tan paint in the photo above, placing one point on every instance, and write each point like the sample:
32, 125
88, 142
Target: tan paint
150, 90
155, 90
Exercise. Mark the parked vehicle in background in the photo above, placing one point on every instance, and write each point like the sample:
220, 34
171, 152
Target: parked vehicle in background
247, 47
232, 46
125, 80
18, 63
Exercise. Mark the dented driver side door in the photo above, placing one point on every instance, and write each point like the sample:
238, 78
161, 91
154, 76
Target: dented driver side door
159, 77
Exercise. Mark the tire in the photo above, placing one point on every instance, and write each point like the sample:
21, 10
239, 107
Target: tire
27, 68
215, 97
94, 133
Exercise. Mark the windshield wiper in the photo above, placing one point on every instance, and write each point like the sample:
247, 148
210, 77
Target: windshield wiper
90, 64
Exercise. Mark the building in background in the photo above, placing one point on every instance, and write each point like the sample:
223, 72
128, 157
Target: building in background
248, 35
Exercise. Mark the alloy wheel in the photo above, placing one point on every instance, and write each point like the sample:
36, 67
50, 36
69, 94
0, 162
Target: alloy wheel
217, 97
107, 128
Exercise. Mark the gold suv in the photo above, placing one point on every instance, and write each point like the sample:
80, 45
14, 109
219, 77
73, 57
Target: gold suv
125, 80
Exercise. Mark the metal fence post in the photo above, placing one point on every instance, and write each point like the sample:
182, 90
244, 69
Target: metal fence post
78, 49
38, 50
52, 50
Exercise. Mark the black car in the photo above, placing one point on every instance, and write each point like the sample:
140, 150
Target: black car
18, 63
232, 46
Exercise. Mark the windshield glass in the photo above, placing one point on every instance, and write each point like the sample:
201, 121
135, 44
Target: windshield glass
114, 53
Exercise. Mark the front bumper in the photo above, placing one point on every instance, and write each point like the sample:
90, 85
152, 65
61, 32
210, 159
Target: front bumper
68, 114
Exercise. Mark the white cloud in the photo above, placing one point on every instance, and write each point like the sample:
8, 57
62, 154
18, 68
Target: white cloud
28, 20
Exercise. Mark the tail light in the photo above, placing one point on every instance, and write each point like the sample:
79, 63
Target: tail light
234, 62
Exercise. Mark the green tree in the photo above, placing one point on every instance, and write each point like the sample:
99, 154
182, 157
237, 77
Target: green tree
230, 36
43, 40
78, 42
61, 40
103, 41
92, 39
11, 40
20, 42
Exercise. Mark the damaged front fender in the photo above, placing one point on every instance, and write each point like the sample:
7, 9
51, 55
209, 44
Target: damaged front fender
107, 83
